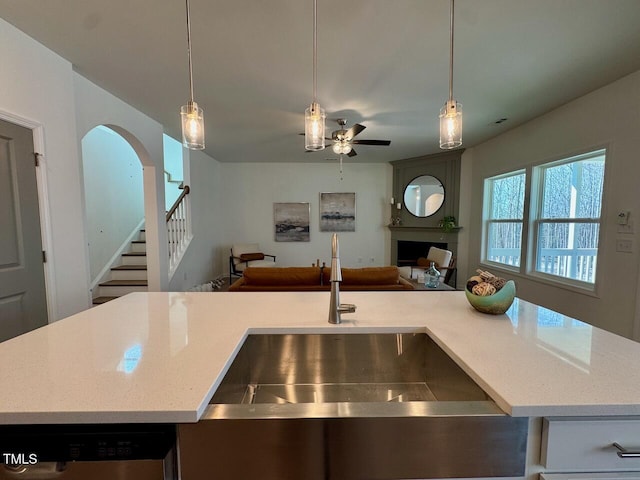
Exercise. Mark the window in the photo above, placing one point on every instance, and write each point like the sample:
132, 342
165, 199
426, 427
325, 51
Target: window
567, 224
562, 221
504, 212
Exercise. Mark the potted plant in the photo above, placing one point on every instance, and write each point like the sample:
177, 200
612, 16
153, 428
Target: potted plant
448, 223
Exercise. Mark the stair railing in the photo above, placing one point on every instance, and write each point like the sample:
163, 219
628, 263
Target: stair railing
178, 228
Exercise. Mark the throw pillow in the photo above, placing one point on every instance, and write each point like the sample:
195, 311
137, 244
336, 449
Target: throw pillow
247, 257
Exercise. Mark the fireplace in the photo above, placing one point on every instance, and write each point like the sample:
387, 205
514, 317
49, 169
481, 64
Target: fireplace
410, 251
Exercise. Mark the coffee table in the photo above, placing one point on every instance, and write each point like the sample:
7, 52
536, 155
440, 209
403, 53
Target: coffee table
421, 286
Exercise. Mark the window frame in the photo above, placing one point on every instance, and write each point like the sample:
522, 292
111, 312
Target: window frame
534, 186
487, 221
537, 220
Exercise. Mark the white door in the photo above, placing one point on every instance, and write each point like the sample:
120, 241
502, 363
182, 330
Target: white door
23, 304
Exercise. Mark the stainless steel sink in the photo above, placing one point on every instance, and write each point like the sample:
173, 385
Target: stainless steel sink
350, 406
355, 368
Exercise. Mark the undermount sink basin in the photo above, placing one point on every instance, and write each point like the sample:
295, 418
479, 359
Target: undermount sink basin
322, 369
350, 406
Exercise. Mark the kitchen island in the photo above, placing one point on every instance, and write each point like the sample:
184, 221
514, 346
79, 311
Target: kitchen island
159, 358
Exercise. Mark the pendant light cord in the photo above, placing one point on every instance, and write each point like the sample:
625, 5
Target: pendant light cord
315, 47
451, 52
189, 53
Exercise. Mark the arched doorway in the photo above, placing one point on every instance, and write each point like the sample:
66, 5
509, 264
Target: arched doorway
114, 197
123, 190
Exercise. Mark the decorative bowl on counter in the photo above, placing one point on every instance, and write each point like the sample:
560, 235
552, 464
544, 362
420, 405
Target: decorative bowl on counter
495, 304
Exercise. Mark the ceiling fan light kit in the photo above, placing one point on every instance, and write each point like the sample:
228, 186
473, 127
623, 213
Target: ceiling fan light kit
342, 148
191, 114
451, 113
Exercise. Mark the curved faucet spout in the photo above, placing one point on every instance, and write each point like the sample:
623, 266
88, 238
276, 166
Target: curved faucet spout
335, 307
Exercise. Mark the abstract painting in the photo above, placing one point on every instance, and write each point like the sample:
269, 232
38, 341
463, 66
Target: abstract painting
291, 222
337, 212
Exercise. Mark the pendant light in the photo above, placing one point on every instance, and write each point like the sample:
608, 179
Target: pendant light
191, 114
451, 113
314, 115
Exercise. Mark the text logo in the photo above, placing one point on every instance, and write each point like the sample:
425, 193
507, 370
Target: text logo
20, 458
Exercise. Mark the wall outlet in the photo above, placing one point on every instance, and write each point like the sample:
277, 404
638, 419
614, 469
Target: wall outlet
625, 246
359, 259
372, 260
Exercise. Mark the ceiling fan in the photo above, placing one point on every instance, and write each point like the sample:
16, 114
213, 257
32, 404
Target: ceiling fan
343, 139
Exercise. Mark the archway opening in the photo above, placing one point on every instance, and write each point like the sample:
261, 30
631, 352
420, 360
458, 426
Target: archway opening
114, 199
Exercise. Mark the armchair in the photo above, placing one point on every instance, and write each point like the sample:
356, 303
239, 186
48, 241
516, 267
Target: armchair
245, 255
444, 260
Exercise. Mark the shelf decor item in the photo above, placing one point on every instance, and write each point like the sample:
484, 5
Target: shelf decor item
448, 223
490, 294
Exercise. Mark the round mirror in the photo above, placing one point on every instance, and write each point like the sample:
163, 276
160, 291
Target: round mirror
424, 196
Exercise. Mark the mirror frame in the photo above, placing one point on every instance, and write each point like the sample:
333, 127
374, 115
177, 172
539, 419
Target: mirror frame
444, 196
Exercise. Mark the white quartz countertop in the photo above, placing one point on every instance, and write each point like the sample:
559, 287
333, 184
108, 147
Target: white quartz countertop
158, 357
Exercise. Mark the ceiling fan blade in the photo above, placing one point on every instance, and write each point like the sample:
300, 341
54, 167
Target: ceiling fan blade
354, 130
372, 142
352, 153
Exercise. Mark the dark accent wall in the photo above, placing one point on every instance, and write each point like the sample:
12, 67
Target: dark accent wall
445, 167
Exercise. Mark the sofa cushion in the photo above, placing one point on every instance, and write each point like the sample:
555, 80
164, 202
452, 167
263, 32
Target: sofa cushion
282, 276
247, 257
365, 276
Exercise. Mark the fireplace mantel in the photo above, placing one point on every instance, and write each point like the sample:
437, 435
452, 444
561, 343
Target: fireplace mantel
401, 228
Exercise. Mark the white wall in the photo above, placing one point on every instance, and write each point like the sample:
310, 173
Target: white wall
95, 106
173, 163
608, 116
113, 195
250, 189
36, 86
200, 262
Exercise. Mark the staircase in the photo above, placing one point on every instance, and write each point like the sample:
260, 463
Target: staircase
129, 276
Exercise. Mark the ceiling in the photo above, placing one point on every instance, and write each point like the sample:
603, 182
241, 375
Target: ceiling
381, 63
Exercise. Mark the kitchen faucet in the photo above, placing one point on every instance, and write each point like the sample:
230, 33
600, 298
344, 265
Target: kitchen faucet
335, 307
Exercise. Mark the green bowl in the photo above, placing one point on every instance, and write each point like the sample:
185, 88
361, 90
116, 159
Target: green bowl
495, 304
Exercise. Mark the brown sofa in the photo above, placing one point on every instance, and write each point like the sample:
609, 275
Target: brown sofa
290, 279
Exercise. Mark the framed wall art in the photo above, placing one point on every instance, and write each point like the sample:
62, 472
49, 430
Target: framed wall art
291, 221
338, 212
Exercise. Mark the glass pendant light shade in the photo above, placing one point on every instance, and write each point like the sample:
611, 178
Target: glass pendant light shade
314, 117
192, 126
451, 113
451, 125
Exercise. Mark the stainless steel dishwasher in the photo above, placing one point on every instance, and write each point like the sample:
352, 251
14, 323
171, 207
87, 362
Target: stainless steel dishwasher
96, 452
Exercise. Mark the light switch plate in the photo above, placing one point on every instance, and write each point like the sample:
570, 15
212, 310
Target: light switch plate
628, 228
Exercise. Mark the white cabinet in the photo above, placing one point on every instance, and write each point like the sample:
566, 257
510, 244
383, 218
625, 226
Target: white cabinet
587, 445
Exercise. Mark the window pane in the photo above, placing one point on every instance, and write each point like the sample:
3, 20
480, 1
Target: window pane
507, 197
504, 242
568, 250
573, 190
